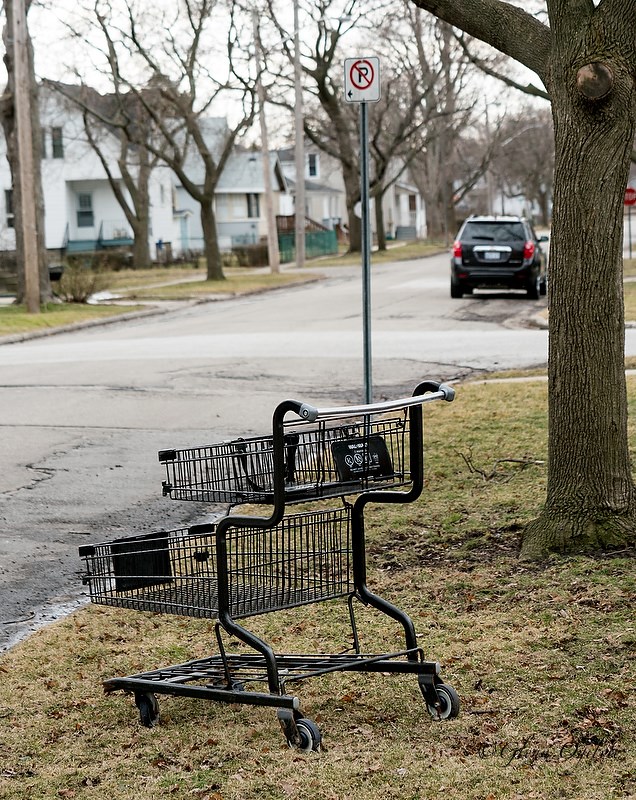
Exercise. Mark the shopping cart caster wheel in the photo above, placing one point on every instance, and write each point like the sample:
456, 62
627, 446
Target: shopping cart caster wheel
148, 709
309, 733
449, 703
300, 732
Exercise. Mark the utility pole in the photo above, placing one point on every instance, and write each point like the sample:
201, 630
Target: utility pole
24, 137
300, 147
273, 252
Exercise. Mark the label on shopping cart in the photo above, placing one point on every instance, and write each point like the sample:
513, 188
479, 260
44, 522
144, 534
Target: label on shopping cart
362, 458
141, 562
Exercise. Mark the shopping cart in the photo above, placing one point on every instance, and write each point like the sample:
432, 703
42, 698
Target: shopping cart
243, 565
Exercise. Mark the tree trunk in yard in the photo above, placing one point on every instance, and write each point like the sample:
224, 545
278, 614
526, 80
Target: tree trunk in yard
139, 215
211, 243
380, 231
587, 60
141, 246
591, 500
7, 114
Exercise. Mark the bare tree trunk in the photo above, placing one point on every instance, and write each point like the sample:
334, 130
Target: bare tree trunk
211, 243
140, 220
380, 231
591, 499
7, 114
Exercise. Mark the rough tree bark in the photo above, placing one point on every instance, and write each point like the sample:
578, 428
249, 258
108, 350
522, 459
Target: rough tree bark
7, 118
587, 61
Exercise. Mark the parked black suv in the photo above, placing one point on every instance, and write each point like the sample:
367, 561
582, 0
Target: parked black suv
498, 253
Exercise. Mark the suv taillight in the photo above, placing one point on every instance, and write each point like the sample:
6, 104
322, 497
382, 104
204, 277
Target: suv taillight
528, 249
457, 249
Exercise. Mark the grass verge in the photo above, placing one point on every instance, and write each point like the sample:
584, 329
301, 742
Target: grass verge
236, 282
541, 655
16, 320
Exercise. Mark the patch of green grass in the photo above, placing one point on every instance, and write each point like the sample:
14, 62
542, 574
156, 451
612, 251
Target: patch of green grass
542, 656
629, 267
147, 285
236, 282
629, 290
395, 252
14, 319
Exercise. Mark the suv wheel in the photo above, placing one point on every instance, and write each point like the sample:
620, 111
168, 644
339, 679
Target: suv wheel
534, 288
456, 290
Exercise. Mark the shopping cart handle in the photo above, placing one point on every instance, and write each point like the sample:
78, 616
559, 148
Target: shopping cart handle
436, 391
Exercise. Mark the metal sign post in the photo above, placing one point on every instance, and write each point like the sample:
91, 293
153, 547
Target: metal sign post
362, 85
366, 251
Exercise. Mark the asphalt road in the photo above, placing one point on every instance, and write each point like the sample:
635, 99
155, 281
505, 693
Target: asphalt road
83, 414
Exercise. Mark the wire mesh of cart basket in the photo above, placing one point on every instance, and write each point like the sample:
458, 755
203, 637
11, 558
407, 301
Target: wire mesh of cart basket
324, 458
244, 565
304, 559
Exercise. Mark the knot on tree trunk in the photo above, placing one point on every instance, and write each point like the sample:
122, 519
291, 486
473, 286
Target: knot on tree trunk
595, 81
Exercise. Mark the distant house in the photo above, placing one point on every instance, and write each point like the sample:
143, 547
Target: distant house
83, 215
324, 186
239, 198
325, 199
81, 212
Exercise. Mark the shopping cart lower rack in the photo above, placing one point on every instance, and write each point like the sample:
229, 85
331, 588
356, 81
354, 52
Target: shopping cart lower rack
242, 565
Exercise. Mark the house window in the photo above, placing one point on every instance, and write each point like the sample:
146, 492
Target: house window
84, 210
43, 142
412, 202
8, 204
313, 165
253, 209
57, 143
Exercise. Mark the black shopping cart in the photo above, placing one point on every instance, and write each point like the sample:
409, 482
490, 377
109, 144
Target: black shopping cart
333, 460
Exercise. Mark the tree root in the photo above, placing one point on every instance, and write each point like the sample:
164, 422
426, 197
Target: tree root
565, 534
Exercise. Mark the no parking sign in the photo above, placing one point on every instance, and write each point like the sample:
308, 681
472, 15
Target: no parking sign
362, 79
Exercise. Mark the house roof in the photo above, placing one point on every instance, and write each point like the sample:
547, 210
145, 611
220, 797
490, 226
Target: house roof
244, 173
312, 186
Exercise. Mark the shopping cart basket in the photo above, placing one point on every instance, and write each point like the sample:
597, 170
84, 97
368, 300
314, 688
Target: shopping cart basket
245, 565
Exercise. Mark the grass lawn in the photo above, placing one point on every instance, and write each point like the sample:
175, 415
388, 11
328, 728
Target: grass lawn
16, 320
236, 282
542, 656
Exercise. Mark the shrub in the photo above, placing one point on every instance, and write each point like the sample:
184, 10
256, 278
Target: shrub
82, 278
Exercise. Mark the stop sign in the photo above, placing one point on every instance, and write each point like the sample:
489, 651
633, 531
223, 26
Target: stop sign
630, 196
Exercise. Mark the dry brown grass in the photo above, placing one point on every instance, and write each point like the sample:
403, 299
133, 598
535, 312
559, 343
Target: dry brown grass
542, 656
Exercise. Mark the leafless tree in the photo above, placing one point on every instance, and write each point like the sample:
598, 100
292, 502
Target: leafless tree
176, 66
110, 120
523, 164
452, 156
426, 103
591, 497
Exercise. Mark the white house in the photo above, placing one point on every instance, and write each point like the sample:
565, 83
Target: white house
325, 201
81, 211
83, 215
240, 202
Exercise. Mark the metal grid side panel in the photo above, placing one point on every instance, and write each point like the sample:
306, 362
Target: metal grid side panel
229, 472
321, 460
305, 559
169, 573
369, 452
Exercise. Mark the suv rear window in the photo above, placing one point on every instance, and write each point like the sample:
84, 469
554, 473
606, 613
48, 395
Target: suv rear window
494, 231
